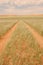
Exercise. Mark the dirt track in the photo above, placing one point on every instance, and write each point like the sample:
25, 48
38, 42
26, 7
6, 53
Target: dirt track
6, 38
36, 35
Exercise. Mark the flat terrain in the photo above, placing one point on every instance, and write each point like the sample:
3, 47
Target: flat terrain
38, 37
21, 41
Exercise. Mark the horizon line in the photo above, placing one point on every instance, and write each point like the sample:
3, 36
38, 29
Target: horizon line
21, 15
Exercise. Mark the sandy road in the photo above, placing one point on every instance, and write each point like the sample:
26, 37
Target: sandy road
6, 38
36, 35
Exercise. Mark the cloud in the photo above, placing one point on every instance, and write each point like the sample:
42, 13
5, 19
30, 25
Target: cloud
2, 1
21, 6
24, 2
20, 3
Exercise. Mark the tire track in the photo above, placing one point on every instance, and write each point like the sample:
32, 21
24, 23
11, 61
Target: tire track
36, 35
6, 38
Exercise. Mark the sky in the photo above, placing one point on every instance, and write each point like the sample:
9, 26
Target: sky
21, 7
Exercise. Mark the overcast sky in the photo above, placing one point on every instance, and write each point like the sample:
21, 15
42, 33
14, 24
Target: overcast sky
21, 7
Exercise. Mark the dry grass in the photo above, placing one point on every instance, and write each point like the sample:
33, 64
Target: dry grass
5, 25
22, 49
36, 23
